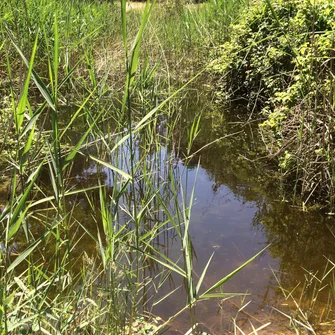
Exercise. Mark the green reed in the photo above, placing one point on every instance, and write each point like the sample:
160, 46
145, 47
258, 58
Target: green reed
48, 282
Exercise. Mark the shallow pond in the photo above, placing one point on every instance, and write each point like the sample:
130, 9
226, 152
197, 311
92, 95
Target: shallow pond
238, 210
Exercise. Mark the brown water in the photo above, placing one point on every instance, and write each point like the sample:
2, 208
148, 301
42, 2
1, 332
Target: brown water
238, 210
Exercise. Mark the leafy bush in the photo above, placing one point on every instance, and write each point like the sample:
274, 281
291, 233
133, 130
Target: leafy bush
280, 58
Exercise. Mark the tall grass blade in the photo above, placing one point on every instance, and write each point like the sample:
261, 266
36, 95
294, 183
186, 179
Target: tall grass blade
19, 114
23, 256
112, 167
203, 274
233, 273
22, 202
38, 81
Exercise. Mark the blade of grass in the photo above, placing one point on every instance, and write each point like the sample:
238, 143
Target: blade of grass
233, 273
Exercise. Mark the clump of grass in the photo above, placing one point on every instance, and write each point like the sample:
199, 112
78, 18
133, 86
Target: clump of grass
309, 305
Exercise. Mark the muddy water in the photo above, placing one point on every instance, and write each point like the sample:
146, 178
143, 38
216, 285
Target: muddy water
239, 209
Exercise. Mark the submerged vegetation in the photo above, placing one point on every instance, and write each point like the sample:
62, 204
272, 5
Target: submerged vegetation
96, 147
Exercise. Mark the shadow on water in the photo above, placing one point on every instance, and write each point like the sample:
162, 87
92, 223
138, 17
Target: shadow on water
238, 210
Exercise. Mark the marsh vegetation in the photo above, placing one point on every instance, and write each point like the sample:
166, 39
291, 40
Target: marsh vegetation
117, 127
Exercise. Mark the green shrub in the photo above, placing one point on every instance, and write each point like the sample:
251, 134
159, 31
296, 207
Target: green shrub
280, 58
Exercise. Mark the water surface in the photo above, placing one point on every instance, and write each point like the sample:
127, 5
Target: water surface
239, 209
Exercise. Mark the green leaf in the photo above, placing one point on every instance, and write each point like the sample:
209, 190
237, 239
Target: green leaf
203, 275
23, 256
76, 149
19, 113
16, 225
111, 167
233, 273
223, 295
22, 202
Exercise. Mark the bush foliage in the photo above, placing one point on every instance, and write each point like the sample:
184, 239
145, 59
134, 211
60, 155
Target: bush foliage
280, 57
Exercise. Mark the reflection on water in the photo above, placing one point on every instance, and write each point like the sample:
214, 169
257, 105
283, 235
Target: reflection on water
238, 210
